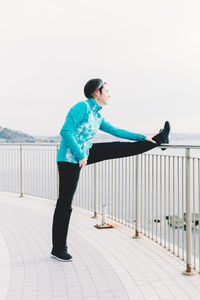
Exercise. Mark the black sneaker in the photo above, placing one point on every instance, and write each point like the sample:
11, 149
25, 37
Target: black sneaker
164, 133
163, 136
62, 256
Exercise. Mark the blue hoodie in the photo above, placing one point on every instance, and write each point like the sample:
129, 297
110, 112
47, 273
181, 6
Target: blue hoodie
81, 125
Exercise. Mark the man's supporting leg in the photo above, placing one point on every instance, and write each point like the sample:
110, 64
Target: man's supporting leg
68, 180
103, 151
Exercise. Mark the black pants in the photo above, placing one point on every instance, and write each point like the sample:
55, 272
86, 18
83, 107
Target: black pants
68, 180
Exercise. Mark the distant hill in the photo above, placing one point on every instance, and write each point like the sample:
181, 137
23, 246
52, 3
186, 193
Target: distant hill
11, 136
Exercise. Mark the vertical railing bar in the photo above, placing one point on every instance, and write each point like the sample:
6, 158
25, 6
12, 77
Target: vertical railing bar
141, 191
122, 189
145, 193
111, 193
15, 168
188, 214
149, 191
44, 170
12, 164
10, 170
40, 173
194, 213
109, 189
133, 193
138, 196
169, 206
174, 214
82, 198
14, 171
156, 198
165, 200
178, 197
199, 206
100, 183
125, 188
152, 208
105, 186
161, 199
115, 189
27, 171
33, 172
37, 172
183, 198
85, 186
91, 200
7, 175
82, 188
129, 185
87, 169
53, 171
21, 172
49, 174
91, 187
4, 168
119, 189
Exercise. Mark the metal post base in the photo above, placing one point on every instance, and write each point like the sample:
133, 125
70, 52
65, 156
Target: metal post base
106, 226
189, 271
137, 235
95, 215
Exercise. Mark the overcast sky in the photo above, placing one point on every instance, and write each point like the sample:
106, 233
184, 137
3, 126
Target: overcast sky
148, 52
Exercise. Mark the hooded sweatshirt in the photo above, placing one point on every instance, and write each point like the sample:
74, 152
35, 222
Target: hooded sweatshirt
82, 123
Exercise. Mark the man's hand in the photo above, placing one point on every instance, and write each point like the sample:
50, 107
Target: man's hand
149, 139
83, 162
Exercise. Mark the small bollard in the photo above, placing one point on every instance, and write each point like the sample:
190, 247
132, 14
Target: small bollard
103, 225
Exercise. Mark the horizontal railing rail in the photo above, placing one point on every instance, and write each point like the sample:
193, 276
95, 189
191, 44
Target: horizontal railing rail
156, 193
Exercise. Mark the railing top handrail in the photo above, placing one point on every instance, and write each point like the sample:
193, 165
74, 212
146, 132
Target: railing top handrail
57, 144
29, 144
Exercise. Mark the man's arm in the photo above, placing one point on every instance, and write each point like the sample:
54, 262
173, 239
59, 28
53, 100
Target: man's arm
121, 133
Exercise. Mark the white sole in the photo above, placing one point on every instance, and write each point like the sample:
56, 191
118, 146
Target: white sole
60, 259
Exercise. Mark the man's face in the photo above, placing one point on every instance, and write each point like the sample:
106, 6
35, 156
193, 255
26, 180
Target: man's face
104, 95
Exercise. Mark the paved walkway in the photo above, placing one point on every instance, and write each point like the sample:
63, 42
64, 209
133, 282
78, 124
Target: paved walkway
107, 264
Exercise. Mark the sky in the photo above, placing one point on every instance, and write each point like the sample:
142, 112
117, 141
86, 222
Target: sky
147, 51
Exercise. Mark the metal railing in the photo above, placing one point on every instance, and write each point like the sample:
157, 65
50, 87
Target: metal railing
156, 193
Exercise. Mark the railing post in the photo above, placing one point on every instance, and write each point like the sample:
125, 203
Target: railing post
189, 270
21, 170
103, 215
138, 197
95, 189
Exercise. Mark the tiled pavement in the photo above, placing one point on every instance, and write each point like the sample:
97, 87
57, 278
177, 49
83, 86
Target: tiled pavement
107, 264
